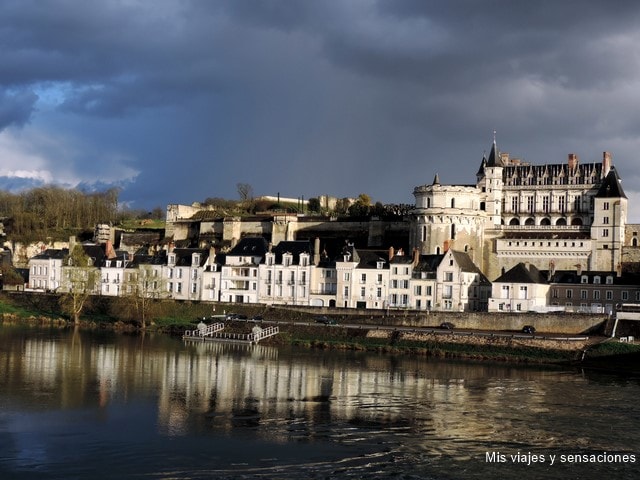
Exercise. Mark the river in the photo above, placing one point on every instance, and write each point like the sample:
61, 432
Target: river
77, 405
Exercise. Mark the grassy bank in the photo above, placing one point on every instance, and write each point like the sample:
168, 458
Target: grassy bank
175, 317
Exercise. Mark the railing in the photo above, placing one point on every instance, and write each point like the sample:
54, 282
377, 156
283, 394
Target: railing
264, 333
206, 331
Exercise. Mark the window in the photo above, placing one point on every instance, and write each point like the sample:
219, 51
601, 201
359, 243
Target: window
625, 295
583, 294
194, 287
505, 291
363, 292
428, 292
605, 206
596, 280
605, 232
596, 294
569, 293
379, 292
447, 291
609, 280
523, 292
448, 276
609, 295
605, 220
418, 290
379, 280
363, 278
346, 276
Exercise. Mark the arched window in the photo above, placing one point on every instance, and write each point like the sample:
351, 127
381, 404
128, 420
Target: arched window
514, 221
529, 221
576, 221
428, 202
437, 250
561, 221
634, 242
453, 231
545, 221
453, 203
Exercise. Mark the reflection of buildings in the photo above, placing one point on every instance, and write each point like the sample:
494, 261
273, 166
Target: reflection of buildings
281, 396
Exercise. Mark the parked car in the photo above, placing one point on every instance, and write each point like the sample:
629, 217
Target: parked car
447, 325
326, 320
257, 318
529, 329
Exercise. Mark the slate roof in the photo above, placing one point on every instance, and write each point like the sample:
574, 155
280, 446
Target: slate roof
184, 256
371, 258
611, 187
521, 274
572, 277
52, 254
466, 265
254, 246
295, 248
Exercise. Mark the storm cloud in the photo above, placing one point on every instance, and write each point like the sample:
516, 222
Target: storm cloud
179, 101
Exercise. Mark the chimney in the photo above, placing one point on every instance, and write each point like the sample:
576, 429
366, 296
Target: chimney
416, 257
72, 243
619, 270
109, 252
572, 161
391, 253
316, 251
170, 247
445, 246
270, 247
504, 158
579, 269
606, 163
212, 255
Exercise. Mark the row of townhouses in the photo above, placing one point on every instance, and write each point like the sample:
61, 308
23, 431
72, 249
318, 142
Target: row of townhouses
300, 273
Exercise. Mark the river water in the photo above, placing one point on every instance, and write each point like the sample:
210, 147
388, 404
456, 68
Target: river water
77, 405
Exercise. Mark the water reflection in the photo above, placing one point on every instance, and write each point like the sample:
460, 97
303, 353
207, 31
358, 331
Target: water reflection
370, 406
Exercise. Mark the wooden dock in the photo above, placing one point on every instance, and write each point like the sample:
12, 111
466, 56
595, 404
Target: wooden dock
214, 333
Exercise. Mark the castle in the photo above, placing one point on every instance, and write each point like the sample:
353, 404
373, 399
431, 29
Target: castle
554, 216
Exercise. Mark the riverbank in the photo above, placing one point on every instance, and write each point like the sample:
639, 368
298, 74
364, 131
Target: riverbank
184, 316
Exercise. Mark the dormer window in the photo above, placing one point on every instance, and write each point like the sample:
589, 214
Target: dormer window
596, 280
304, 260
108, 264
584, 279
195, 259
119, 263
379, 265
172, 259
609, 280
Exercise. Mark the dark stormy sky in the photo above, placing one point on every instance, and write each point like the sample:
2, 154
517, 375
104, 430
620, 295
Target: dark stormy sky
176, 101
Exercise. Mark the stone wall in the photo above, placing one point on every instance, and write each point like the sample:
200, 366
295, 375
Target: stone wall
565, 323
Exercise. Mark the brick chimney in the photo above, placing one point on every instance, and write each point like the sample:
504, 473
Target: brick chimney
606, 163
392, 252
316, 251
416, 257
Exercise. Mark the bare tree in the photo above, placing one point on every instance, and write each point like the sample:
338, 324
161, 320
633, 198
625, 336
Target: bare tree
245, 191
143, 287
79, 282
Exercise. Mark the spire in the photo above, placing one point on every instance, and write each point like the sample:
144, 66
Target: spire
436, 180
494, 157
483, 164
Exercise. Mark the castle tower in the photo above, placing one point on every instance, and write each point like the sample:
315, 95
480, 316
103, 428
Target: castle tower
609, 219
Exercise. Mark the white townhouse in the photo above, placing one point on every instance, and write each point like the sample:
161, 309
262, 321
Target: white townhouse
460, 285
285, 276
400, 275
362, 278
523, 288
183, 273
45, 269
423, 281
143, 276
112, 271
239, 273
211, 279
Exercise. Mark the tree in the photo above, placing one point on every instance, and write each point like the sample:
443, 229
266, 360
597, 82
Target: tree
245, 191
314, 204
79, 282
142, 288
